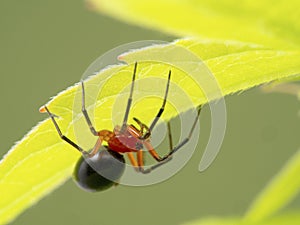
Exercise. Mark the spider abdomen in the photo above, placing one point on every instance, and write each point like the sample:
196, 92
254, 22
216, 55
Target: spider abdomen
99, 172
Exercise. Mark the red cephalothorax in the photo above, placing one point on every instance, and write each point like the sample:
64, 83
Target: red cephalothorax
122, 141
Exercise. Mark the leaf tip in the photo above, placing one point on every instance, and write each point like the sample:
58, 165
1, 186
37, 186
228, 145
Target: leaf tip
42, 109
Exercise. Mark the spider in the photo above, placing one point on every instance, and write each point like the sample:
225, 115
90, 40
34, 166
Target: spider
102, 166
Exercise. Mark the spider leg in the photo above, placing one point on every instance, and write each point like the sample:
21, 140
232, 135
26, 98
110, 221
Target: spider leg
182, 143
168, 157
96, 147
145, 171
86, 115
160, 111
140, 158
133, 161
129, 101
151, 149
170, 136
138, 163
63, 137
159, 159
142, 127
104, 135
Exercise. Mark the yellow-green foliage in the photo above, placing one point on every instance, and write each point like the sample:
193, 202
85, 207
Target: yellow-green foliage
247, 43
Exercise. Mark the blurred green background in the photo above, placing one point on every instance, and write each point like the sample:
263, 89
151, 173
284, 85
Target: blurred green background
46, 46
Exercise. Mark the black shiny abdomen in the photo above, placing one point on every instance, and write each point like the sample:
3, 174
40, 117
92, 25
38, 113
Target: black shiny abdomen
99, 172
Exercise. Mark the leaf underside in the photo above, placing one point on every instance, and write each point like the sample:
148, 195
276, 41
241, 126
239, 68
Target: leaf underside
41, 161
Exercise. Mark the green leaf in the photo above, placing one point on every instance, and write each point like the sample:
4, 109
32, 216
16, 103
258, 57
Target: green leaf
32, 168
237, 66
41, 161
266, 22
281, 190
287, 218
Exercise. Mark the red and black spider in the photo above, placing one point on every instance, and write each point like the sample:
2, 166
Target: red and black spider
103, 166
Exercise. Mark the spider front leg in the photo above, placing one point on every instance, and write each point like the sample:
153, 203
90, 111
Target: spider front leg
86, 115
103, 134
63, 137
72, 143
160, 111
